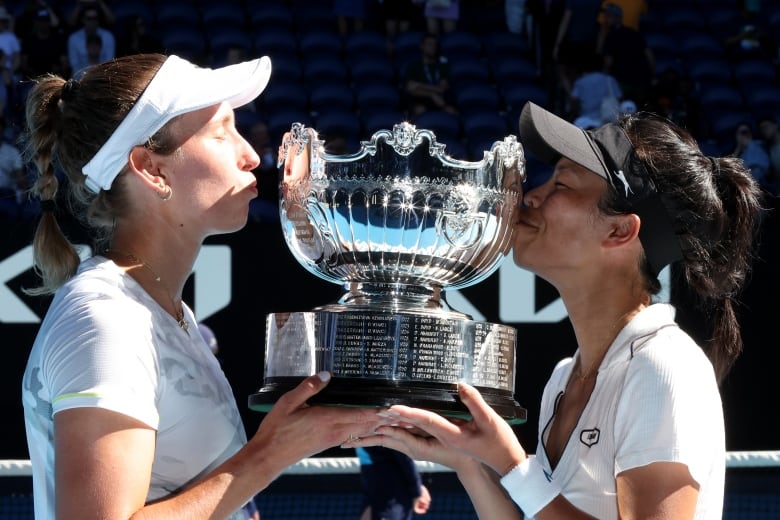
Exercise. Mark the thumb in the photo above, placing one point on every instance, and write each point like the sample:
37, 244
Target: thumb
298, 396
473, 400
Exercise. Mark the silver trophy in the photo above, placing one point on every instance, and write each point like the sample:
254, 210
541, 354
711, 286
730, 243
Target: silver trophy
396, 224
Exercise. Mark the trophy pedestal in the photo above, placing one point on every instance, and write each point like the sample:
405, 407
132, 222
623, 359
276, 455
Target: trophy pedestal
378, 359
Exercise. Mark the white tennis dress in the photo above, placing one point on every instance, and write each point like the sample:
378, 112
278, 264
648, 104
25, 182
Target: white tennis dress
655, 399
106, 343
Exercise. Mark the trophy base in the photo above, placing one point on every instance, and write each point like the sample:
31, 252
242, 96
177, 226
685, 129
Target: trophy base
371, 393
379, 359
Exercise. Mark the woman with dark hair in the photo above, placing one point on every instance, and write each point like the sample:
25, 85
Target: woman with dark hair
631, 425
127, 411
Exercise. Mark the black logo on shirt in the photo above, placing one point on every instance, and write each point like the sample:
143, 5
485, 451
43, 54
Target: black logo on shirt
590, 437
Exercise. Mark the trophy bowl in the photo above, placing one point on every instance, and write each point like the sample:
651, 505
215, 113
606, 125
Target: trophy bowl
396, 224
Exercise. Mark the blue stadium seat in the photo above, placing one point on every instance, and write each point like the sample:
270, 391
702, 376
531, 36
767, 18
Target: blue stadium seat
755, 70
681, 19
710, 70
469, 70
720, 19
339, 123
379, 119
505, 44
460, 44
720, 97
406, 46
320, 43
223, 15
331, 96
365, 44
311, 16
285, 94
662, 43
132, 8
698, 45
172, 16
269, 16
477, 98
763, 99
445, 125
516, 95
275, 42
378, 96
366, 69
485, 127
324, 68
723, 123
186, 42
220, 40
513, 70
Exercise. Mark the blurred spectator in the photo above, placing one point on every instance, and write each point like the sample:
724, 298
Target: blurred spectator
350, 15
102, 8
78, 53
632, 11
94, 48
136, 39
43, 49
31, 11
6, 87
576, 39
398, 16
770, 133
427, 80
13, 182
516, 19
441, 16
392, 485
750, 41
9, 43
753, 154
546, 16
627, 56
595, 96
674, 96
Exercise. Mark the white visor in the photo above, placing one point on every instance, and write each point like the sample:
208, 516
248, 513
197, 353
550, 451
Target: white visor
177, 88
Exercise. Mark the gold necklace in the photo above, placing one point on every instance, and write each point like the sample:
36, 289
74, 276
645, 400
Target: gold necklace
178, 309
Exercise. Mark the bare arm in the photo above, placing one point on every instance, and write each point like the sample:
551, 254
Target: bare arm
104, 459
658, 491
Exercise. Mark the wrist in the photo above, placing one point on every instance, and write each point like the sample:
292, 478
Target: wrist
530, 486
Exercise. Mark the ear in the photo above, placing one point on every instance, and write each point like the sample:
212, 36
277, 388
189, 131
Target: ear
623, 230
143, 164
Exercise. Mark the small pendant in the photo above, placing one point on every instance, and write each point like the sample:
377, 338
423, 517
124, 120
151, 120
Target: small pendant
184, 325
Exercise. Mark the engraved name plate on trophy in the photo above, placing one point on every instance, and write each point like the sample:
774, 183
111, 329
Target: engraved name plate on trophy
396, 224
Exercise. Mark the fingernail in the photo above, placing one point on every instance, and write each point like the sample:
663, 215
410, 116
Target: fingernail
324, 376
388, 414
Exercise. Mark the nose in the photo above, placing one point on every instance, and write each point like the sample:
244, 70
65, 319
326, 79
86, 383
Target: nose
249, 159
532, 197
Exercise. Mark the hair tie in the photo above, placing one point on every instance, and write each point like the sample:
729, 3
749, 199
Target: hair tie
48, 206
69, 89
714, 164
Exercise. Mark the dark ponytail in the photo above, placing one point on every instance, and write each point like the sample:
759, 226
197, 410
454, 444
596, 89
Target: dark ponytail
717, 208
